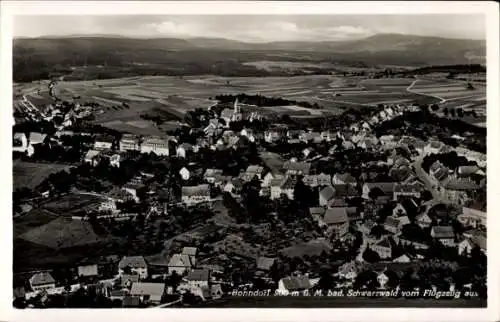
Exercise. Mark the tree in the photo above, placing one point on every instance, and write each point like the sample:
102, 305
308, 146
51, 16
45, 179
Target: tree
446, 111
370, 255
434, 107
460, 112
452, 112
326, 281
366, 279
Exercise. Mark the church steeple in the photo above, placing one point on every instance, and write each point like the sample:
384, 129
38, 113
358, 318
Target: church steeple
236, 108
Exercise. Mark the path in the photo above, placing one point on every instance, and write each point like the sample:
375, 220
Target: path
409, 89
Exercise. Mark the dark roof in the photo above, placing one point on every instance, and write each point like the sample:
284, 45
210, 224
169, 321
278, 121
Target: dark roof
390, 221
408, 188
297, 166
345, 177
327, 193
132, 278
19, 292
152, 289
87, 270
293, 283
265, 263
131, 301
132, 261
199, 190
199, 275
443, 232
180, 260
467, 169
345, 190
336, 216
441, 173
385, 243
317, 211
386, 187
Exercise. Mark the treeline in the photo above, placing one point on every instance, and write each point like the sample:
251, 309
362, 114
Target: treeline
472, 68
261, 101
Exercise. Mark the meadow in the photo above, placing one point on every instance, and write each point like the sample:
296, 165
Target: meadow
30, 175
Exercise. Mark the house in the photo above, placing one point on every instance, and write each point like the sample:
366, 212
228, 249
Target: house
156, 145
148, 292
457, 190
20, 144
336, 221
185, 174
199, 277
407, 190
282, 185
234, 186
42, 281
348, 270
343, 178
191, 252
131, 301
37, 138
444, 234
293, 284
266, 180
386, 188
136, 264
384, 248
465, 246
92, 157
367, 143
382, 279
195, 194
265, 263
114, 160
405, 258
272, 136
434, 147
438, 171
423, 220
392, 225
104, 143
129, 142
317, 213
126, 280
87, 270
19, 292
326, 196
248, 133
472, 217
254, 170
180, 263
132, 189
211, 175
399, 210
343, 191
296, 168
417, 144
183, 149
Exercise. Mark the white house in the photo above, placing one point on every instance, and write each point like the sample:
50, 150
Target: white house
114, 160
184, 172
199, 277
180, 263
195, 194
465, 246
20, 144
42, 281
129, 143
92, 157
103, 143
137, 264
183, 149
382, 279
156, 145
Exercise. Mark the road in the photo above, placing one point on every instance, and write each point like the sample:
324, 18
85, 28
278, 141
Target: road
409, 89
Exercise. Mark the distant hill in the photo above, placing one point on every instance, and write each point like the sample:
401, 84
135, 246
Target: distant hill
35, 58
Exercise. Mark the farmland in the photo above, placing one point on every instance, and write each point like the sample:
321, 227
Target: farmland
30, 175
71, 203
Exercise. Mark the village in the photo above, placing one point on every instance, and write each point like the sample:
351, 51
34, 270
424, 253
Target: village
255, 204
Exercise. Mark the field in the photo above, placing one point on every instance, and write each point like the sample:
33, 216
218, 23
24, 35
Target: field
70, 203
29, 175
62, 233
454, 94
177, 95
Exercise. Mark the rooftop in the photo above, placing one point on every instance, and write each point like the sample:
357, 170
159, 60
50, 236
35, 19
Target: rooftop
199, 275
42, 278
336, 215
152, 289
132, 261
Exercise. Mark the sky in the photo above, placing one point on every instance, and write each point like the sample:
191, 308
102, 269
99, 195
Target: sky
254, 28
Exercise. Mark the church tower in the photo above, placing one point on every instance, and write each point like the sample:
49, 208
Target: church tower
236, 108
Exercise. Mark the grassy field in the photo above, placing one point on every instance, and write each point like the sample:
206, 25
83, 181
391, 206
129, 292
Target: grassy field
339, 302
71, 203
62, 233
29, 175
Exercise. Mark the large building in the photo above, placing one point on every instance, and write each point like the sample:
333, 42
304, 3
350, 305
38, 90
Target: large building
156, 145
129, 142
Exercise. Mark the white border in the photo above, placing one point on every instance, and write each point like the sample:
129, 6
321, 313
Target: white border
490, 9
